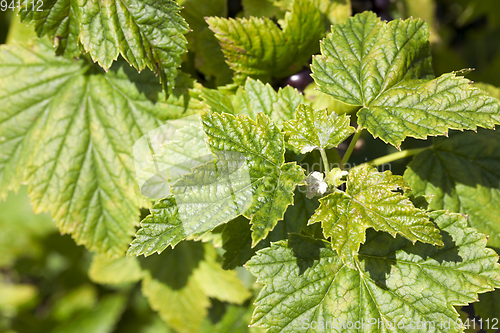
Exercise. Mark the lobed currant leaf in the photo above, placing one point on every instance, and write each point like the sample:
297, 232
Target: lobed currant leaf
386, 69
262, 144
394, 285
146, 33
212, 194
256, 97
371, 200
68, 130
316, 129
257, 47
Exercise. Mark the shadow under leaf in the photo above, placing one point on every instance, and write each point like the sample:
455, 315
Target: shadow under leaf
175, 266
378, 254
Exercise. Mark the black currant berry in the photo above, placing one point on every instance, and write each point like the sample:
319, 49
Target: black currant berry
299, 80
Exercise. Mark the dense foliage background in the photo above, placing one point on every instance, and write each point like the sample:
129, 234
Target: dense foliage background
44, 277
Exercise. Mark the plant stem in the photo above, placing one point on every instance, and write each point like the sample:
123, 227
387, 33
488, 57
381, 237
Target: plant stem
396, 156
324, 158
349, 150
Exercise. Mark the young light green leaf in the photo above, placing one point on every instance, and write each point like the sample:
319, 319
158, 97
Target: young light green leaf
234, 320
163, 227
316, 129
262, 144
106, 270
82, 298
146, 33
461, 174
186, 277
14, 296
336, 11
257, 47
218, 283
372, 200
256, 97
163, 155
319, 100
70, 136
395, 282
490, 89
218, 101
258, 8
335, 177
101, 318
377, 65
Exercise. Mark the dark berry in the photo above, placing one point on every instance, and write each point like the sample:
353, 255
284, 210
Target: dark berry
299, 80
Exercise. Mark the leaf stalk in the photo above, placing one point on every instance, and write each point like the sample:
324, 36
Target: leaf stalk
350, 149
324, 158
397, 156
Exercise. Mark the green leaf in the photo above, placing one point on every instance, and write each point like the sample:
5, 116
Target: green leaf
256, 97
237, 235
82, 298
296, 216
365, 56
212, 194
163, 155
336, 11
163, 227
419, 109
146, 33
490, 89
67, 129
376, 65
234, 320
262, 145
219, 283
316, 129
22, 230
461, 175
426, 10
107, 270
13, 296
394, 282
257, 47
258, 8
372, 200
319, 100
100, 319
178, 284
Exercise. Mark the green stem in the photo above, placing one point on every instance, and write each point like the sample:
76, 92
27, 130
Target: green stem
349, 150
324, 158
396, 156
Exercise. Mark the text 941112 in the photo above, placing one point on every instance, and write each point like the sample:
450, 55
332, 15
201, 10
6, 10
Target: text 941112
33, 5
